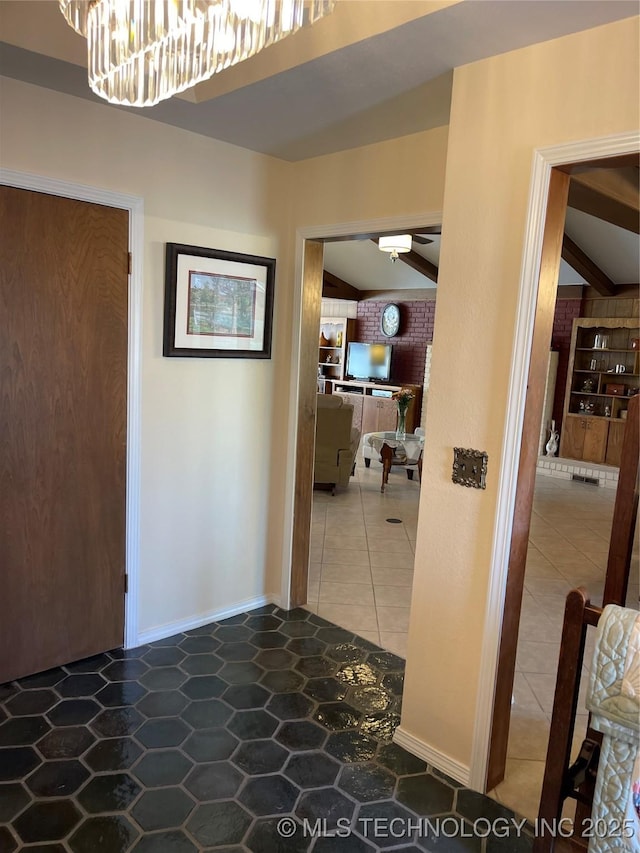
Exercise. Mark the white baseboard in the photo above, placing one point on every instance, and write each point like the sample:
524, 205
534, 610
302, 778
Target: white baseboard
460, 772
171, 628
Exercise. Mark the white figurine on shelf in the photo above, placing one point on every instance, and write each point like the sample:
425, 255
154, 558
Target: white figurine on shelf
552, 445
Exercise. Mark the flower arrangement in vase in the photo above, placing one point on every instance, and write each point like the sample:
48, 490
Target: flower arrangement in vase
403, 398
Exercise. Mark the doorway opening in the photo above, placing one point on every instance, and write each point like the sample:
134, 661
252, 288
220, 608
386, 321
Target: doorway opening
562, 520
359, 542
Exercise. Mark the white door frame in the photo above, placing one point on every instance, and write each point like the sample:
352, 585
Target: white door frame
544, 160
135, 208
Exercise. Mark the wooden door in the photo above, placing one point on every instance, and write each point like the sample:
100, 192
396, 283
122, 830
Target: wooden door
595, 440
573, 433
63, 381
614, 443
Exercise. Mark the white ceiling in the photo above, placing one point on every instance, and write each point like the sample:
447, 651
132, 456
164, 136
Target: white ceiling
614, 250
383, 80
361, 264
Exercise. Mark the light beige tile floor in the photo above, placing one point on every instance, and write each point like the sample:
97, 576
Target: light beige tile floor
361, 569
568, 547
361, 573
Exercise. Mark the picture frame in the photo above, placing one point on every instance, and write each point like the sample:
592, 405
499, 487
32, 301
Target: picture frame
217, 304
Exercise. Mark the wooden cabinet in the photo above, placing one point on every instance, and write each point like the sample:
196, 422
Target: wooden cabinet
604, 371
380, 414
373, 412
572, 437
585, 438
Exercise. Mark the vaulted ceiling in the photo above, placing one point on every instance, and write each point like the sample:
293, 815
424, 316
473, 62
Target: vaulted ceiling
601, 246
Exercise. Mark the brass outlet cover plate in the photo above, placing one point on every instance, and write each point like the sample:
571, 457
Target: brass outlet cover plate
470, 468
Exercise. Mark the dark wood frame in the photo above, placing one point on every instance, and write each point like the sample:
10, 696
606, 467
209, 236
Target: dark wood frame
543, 324
313, 254
173, 252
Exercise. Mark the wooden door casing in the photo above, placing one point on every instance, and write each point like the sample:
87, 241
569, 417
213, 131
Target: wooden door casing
305, 445
538, 365
63, 355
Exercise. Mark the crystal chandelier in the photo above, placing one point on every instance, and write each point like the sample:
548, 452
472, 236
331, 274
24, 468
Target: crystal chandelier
143, 51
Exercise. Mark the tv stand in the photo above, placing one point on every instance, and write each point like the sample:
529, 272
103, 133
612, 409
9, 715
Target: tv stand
376, 412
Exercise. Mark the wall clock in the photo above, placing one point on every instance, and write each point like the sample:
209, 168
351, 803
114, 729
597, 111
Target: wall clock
390, 324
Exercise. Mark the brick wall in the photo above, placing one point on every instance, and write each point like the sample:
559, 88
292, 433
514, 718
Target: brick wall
566, 311
410, 345
416, 332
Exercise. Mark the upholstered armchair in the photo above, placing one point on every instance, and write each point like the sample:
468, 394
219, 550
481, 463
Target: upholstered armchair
336, 441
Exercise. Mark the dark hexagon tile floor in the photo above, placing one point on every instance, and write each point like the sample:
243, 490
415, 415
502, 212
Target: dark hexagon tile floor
239, 737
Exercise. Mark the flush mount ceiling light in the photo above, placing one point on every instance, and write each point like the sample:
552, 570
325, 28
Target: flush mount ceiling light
141, 52
395, 245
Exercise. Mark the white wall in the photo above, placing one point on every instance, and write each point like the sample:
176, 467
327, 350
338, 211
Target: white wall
207, 424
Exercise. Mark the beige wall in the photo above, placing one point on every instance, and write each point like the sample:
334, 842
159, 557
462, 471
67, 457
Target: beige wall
207, 424
573, 88
400, 177
213, 435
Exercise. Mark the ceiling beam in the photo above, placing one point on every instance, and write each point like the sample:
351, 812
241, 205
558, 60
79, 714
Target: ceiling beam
419, 264
336, 288
585, 267
609, 194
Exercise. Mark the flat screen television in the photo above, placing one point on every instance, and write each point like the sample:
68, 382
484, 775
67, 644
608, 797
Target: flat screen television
369, 361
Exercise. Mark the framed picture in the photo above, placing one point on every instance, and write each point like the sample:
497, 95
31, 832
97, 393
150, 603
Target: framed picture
217, 304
